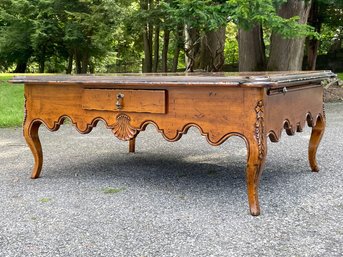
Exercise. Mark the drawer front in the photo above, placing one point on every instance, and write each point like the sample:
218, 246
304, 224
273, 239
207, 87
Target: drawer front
149, 101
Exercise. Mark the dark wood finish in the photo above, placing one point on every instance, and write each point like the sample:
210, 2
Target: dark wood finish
132, 145
251, 106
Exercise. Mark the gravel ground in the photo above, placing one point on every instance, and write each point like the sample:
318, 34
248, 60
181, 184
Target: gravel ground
169, 199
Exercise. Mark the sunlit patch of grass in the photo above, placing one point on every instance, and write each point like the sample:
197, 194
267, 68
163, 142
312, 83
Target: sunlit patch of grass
11, 102
111, 190
45, 200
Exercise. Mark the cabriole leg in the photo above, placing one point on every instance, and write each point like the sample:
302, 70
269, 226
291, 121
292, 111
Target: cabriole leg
32, 139
316, 136
255, 165
132, 145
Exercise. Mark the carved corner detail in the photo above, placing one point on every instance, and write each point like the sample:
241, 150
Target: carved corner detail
25, 111
122, 128
259, 129
324, 111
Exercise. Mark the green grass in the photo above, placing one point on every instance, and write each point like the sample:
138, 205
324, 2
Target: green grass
11, 102
340, 76
45, 200
111, 190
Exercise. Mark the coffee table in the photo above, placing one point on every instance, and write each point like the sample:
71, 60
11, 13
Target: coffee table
252, 106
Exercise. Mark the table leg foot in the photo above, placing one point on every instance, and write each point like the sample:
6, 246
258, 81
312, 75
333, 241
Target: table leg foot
316, 136
256, 160
132, 145
32, 139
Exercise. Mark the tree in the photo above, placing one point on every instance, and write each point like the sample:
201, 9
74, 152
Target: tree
288, 53
203, 24
87, 26
327, 13
47, 36
73, 30
252, 56
86, 36
16, 31
253, 18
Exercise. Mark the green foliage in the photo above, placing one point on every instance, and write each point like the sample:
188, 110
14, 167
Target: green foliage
16, 29
231, 46
331, 19
204, 15
11, 103
326, 37
41, 29
126, 52
106, 35
249, 13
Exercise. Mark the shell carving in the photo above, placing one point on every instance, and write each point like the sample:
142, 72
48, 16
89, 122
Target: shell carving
122, 128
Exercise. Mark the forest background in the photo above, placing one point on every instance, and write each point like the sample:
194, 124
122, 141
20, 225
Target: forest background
101, 36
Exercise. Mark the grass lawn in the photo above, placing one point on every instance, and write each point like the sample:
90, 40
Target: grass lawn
340, 76
11, 102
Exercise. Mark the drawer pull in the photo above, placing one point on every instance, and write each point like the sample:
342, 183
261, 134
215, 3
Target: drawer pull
128, 100
119, 103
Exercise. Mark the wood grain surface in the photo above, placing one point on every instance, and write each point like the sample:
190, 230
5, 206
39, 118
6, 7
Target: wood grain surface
253, 112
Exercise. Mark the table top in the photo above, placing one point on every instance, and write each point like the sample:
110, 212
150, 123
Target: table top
251, 79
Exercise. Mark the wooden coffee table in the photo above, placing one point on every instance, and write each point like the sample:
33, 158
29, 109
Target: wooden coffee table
251, 106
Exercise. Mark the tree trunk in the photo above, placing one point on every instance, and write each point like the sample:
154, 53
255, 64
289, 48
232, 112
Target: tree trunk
91, 67
70, 64
41, 66
179, 42
192, 48
312, 43
78, 63
166, 37
84, 62
287, 54
212, 50
312, 53
176, 58
252, 55
41, 60
147, 40
147, 67
207, 52
21, 67
156, 48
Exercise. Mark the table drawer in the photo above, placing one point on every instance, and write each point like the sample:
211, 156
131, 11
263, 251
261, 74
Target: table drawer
128, 100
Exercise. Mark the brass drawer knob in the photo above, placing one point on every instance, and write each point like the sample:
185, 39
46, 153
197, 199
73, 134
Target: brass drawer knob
284, 90
119, 103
